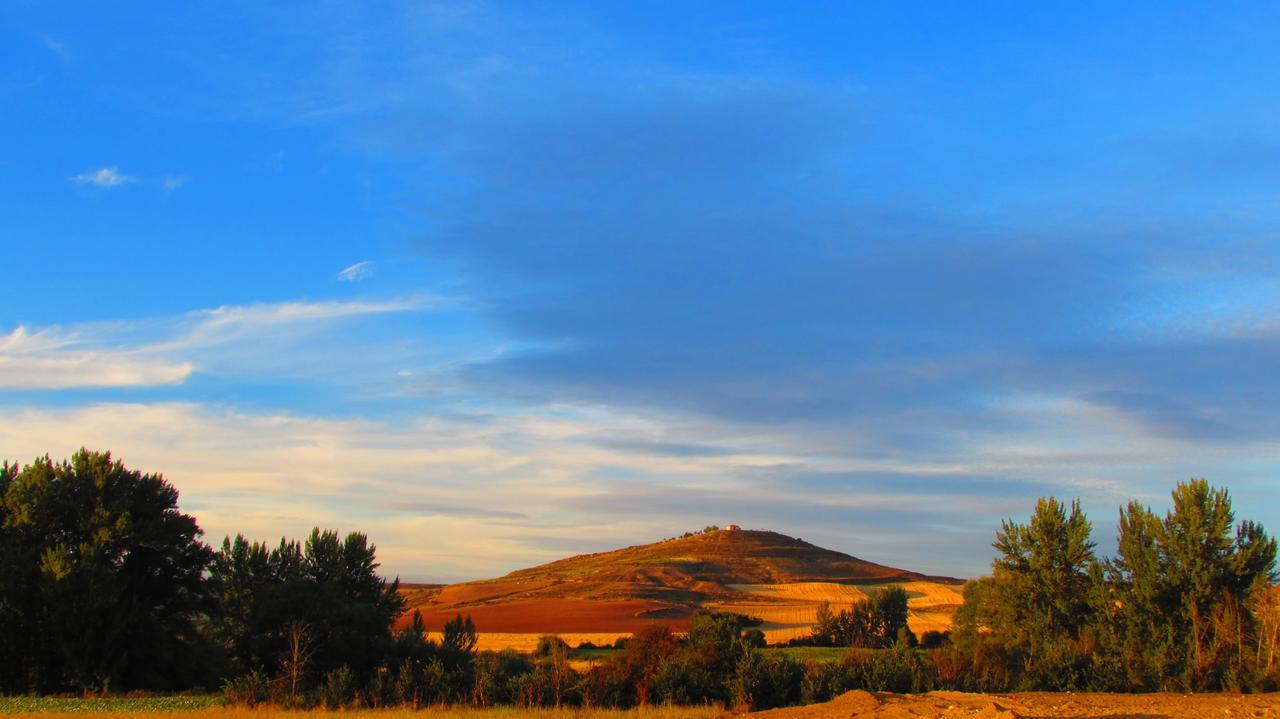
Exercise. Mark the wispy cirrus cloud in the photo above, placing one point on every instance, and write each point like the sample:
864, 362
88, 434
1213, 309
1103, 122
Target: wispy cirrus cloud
50, 360
55, 46
228, 340
362, 270
105, 177
173, 182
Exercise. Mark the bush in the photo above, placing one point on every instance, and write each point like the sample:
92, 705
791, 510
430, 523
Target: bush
339, 688
418, 683
248, 690
765, 681
495, 676
550, 645
900, 669
380, 691
934, 639
605, 685
819, 682
1061, 666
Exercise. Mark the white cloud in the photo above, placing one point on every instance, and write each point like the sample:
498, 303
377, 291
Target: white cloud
362, 270
243, 339
272, 474
275, 320
51, 360
496, 487
103, 177
173, 182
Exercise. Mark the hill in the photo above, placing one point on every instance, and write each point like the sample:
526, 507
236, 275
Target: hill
779, 579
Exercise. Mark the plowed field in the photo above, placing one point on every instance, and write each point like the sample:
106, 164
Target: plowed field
561, 616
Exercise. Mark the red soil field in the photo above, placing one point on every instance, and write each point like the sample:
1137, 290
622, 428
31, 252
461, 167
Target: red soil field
560, 615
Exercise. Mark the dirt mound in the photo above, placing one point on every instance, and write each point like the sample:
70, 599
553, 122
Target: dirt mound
1041, 705
859, 704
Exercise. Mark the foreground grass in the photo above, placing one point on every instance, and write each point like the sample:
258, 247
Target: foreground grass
212, 708
131, 705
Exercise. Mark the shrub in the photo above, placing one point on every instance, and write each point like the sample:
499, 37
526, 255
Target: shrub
900, 669
338, 689
494, 677
765, 681
933, 639
819, 682
418, 683
550, 645
249, 689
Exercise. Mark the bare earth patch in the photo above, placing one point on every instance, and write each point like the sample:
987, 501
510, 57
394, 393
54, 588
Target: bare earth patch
1034, 705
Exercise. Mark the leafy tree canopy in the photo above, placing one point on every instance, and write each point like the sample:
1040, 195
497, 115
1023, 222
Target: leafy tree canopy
103, 578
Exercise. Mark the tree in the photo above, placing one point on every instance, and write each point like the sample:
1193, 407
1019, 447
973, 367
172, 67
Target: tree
1041, 574
1139, 599
1184, 586
328, 585
103, 579
458, 640
824, 626
889, 606
637, 668
1266, 610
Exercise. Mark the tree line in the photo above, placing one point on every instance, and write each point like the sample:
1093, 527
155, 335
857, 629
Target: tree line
1187, 603
108, 587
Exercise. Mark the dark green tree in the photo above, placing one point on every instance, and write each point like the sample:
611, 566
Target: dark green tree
458, 640
1183, 586
889, 607
103, 579
1042, 576
323, 595
875, 622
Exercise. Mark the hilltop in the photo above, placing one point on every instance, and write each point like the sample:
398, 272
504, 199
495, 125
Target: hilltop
707, 565
765, 574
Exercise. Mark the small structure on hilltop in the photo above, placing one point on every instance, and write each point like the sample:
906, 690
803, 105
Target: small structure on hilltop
731, 528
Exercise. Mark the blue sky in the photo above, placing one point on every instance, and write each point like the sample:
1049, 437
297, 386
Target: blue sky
496, 283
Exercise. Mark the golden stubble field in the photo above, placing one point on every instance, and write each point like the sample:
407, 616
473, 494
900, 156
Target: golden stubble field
790, 610
528, 641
